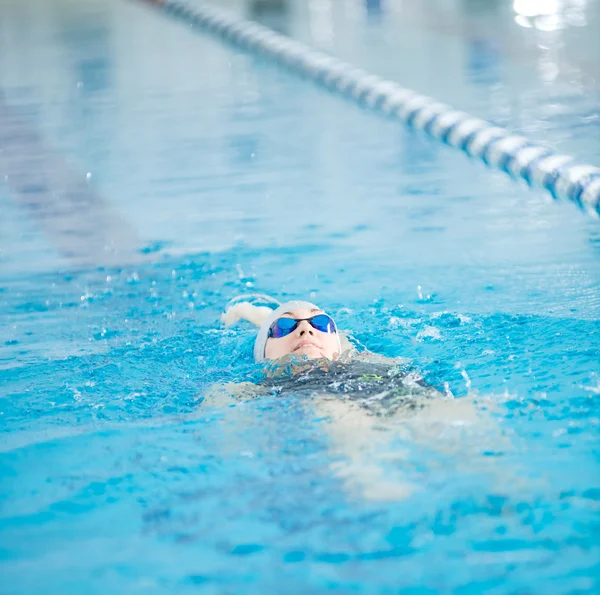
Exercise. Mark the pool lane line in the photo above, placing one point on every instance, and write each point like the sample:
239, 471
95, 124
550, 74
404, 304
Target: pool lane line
82, 225
540, 166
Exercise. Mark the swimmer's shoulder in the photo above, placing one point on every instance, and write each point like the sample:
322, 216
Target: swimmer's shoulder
371, 362
376, 365
220, 395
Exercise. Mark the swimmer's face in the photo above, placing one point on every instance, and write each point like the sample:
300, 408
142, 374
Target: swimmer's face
304, 339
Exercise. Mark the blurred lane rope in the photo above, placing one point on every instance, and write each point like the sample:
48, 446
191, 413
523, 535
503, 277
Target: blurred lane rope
539, 165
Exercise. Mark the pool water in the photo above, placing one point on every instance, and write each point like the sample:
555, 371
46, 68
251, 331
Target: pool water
149, 174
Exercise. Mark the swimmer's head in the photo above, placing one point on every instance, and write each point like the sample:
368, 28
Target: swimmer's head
297, 328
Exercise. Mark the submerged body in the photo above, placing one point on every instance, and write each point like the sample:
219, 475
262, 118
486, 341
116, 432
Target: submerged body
382, 388
367, 403
306, 355
373, 412
379, 386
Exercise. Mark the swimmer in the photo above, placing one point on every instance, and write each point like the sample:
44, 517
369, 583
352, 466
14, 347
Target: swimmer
303, 350
365, 398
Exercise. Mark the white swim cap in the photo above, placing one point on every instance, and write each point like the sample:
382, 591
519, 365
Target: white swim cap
263, 332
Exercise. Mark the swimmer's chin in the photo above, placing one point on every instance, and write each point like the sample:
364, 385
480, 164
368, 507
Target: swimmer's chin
309, 351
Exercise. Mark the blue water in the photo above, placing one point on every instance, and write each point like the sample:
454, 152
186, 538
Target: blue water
154, 173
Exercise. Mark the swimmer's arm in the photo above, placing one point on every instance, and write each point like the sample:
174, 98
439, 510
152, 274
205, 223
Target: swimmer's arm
245, 311
234, 439
223, 395
366, 447
359, 448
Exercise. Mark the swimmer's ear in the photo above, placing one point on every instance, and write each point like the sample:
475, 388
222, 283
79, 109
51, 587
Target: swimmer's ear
246, 311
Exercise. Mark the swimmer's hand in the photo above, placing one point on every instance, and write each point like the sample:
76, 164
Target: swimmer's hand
246, 311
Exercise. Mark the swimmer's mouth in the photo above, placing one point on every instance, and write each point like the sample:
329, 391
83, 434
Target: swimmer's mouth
306, 344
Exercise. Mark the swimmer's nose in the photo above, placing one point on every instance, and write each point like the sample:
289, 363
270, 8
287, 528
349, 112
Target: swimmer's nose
304, 327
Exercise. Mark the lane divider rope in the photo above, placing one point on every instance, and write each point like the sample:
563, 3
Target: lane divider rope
540, 166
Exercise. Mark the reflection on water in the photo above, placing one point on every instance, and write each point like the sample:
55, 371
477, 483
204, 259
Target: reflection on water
320, 15
79, 222
81, 225
85, 33
271, 13
375, 8
485, 55
550, 15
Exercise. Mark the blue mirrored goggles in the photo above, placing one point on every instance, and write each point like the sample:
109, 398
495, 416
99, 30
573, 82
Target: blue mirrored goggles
284, 326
